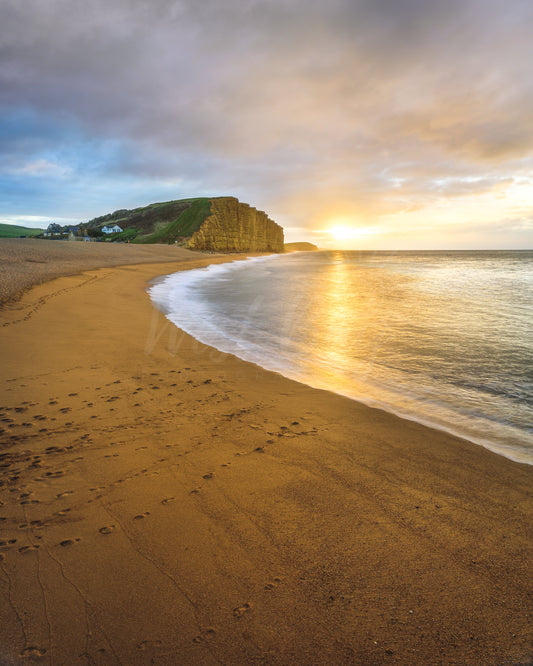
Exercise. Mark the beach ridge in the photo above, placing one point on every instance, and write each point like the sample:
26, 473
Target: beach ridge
164, 501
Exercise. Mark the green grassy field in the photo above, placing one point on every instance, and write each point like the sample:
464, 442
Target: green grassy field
14, 231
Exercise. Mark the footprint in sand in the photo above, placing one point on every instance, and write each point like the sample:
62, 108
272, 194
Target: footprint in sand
148, 644
167, 500
208, 476
32, 653
241, 610
207, 635
271, 586
107, 529
7, 542
69, 542
53, 449
140, 516
28, 549
67, 492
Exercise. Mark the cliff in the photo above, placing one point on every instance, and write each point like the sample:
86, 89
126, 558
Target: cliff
220, 224
237, 227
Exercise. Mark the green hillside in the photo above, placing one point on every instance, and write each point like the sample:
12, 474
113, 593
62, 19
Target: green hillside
165, 222
189, 221
14, 231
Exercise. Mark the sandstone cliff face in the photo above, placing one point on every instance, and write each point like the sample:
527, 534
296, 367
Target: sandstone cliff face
237, 227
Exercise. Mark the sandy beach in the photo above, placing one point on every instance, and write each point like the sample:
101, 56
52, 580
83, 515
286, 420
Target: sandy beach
161, 502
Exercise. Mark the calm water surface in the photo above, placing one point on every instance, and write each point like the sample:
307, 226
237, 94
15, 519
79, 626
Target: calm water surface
445, 338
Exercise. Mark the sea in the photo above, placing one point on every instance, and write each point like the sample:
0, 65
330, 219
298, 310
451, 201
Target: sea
442, 338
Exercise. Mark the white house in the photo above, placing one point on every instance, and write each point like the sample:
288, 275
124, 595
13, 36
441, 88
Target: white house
111, 229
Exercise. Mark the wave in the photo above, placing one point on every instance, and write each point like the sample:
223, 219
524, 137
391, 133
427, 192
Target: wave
216, 306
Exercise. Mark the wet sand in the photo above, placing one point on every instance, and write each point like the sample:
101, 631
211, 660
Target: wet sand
161, 502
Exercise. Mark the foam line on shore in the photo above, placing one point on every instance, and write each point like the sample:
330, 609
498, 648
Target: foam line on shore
201, 322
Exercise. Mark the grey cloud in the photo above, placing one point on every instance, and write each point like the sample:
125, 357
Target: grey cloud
277, 100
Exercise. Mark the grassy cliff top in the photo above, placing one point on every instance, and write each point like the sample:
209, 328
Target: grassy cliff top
163, 222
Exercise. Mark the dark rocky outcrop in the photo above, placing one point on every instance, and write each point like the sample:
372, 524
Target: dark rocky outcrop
237, 227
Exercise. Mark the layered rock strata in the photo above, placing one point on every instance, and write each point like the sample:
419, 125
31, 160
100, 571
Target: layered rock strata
237, 227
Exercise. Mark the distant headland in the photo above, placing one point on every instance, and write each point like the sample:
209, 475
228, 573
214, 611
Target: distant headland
300, 247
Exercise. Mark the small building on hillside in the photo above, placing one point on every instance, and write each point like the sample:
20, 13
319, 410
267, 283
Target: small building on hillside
53, 229
111, 229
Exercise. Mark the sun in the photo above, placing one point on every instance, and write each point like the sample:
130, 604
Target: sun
347, 233
342, 232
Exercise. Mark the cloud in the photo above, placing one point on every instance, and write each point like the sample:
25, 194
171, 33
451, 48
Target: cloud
37, 167
372, 106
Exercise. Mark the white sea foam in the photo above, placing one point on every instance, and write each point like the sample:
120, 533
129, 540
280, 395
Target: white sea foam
406, 332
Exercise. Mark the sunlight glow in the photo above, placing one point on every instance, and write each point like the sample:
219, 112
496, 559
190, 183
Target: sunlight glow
344, 232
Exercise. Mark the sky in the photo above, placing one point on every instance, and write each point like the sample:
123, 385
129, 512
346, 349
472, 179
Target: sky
372, 124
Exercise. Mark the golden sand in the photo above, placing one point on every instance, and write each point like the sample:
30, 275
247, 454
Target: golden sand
161, 502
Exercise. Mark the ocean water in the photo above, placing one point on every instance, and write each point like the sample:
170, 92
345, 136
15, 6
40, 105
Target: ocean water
444, 338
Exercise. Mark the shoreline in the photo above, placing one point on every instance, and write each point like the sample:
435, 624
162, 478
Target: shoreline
25, 263
189, 507
518, 455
